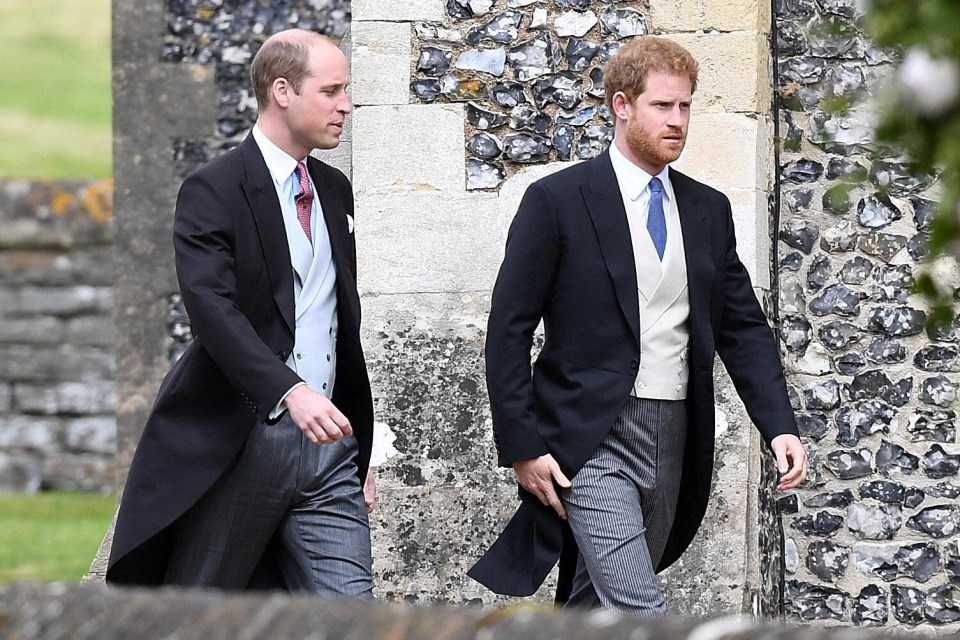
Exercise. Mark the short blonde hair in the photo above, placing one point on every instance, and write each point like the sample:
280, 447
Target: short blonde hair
628, 69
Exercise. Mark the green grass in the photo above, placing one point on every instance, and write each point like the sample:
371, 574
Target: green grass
55, 98
51, 536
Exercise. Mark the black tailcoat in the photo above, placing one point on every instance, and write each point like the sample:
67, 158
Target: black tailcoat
235, 276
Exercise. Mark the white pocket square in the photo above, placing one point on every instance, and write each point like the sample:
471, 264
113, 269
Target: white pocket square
349, 223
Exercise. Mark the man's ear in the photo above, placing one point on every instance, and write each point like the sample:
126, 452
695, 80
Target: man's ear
280, 91
620, 105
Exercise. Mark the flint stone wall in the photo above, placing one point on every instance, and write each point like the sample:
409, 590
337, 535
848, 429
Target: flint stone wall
872, 537
58, 612
57, 425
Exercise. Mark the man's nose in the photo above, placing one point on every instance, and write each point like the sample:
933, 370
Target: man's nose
345, 105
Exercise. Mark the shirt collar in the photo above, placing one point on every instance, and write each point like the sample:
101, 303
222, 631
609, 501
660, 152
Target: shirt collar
633, 180
280, 164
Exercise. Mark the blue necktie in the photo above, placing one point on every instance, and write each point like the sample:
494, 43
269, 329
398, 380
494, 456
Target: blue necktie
656, 222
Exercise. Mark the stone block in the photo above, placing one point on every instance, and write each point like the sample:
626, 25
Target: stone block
20, 363
750, 219
63, 214
70, 398
35, 330
734, 73
91, 435
727, 151
672, 16
37, 399
20, 473
341, 156
9, 298
431, 241
381, 63
19, 266
29, 433
65, 301
92, 473
397, 11
6, 397
95, 331
385, 138
52, 267
730, 152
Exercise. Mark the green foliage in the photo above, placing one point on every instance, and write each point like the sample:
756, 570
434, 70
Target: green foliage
839, 105
930, 136
55, 99
51, 536
836, 199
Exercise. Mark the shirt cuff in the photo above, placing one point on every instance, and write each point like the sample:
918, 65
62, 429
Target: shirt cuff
278, 410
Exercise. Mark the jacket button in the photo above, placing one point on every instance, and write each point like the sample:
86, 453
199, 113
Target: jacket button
282, 355
634, 364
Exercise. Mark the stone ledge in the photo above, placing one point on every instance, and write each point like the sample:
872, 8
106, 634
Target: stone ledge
55, 611
55, 214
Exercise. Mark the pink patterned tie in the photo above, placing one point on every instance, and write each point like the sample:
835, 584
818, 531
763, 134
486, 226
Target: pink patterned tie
304, 199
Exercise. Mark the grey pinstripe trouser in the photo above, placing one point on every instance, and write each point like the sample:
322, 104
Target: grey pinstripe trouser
284, 486
621, 506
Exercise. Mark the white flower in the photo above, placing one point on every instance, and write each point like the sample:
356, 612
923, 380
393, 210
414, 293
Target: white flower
931, 85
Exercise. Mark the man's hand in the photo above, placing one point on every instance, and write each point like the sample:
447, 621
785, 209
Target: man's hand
370, 490
791, 460
541, 477
316, 416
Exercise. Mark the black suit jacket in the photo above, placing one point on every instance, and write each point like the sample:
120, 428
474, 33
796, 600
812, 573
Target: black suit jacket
569, 260
235, 276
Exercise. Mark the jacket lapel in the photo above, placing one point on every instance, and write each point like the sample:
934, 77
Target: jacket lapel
695, 225
258, 187
335, 217
605, 206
